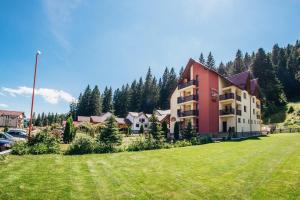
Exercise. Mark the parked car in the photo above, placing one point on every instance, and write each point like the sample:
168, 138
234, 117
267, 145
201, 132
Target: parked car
5, 144
17, 133
6, 136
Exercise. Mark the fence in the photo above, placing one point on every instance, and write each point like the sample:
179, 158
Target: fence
286, 130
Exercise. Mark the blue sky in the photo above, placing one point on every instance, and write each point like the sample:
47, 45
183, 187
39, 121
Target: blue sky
113, 42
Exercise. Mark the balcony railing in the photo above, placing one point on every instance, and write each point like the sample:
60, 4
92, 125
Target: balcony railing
229, 111
187, 113
226, 96
187, 84
258, 116
238, 98
239, 112
187, 98
257, 106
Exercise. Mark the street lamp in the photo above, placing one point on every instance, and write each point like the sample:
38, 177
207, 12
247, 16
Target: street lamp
33, 88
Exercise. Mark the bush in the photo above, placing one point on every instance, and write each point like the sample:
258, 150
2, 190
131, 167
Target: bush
147, 144
41, 143
291, 109
82, 144
182, 143
20, 148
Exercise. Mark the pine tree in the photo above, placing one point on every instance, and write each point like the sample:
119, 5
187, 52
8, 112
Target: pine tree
38, 121
164, 128
150, 93
72, 112
107, 100
141, 131
189, 132
247, 61
69, 132
238, 64
270, 85
110, 136
222, 69
155, 130
84, 102
201, 59
275, 55
210, 62
176, 131
95, 102
181, 71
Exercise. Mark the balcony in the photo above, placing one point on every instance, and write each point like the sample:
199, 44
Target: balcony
187, 98
187, 84
187, 113
229, 111
226, 96
257, 106
258, 116
238, 98
238, 112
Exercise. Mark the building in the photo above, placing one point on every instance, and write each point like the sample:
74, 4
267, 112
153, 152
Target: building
137, 120
214, 103
13, 119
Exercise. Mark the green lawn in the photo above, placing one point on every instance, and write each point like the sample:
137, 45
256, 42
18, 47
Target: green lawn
265, 168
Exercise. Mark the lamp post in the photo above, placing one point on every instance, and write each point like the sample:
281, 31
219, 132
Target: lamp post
33, 88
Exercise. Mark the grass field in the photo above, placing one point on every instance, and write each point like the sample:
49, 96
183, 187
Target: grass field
264, 168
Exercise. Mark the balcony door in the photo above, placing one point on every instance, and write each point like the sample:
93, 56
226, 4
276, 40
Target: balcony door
224, 126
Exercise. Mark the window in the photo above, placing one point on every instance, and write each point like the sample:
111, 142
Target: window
244, 121
142, 120
245, 109
245, 95
253, 99
253, 111
146, 125
137, 125
239, 120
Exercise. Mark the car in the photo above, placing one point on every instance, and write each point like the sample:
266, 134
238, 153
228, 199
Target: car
17, 133
5, 144
6, 136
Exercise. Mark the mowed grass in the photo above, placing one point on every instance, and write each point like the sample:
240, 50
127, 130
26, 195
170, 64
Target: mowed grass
264, 168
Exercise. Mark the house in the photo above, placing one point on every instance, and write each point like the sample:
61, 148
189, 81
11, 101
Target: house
163, 116
14, 119
214, 103
137, 120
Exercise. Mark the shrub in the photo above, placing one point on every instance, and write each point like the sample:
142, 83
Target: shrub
69, 132
38, 148
182, 143
147, 144
82, 144
110, 136
20, 148
5, 129
291, 109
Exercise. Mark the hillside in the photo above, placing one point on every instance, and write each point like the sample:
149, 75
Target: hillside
288, 116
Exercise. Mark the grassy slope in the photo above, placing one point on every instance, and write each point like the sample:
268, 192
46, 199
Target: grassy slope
283, 117
265, 168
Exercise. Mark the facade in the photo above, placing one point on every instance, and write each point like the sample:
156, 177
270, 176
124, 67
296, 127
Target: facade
137, 120
13, 119
214, 103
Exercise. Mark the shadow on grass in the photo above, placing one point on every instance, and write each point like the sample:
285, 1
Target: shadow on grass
243, 139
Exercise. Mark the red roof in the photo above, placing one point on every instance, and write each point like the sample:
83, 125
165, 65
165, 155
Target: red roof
11, 113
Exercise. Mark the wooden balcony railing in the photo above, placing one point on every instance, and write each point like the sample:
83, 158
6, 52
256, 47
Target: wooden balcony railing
226, 96
187, 113
229, 111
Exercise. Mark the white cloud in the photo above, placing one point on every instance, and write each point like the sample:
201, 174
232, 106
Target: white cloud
50, 95
3, 105
59, 14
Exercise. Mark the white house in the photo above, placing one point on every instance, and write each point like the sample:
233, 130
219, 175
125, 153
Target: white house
137, 120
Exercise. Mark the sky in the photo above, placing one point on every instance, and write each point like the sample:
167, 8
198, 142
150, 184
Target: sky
112, 42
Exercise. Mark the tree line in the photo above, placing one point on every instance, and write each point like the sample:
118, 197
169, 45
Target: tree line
142, 95
47, 119
278, 74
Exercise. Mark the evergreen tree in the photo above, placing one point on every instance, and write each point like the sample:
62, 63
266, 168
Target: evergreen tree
238, 64
164, 128
110, 136
141, 131
69, 132
117, 102
107, 100
201, 59
176, 131
155, 130
270, 85
95, 102
38, 121
72, 112
134, 97
210, 62
222, 69
189, 132
247, 61
150, 93
164, 93
181, 71
275, 55
84, 102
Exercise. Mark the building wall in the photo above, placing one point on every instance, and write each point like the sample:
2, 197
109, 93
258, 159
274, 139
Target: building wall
173, 105
9, 121
136, 120
208, 107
